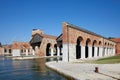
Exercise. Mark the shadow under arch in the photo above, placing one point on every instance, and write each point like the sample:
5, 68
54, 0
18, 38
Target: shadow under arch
93, 48
86, 47
48, 49
78, 47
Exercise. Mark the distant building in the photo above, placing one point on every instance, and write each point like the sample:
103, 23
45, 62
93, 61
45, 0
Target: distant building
43, 44
18, 49
1, 50
117, 40
74, 43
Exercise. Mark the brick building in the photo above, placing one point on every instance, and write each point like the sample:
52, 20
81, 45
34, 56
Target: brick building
18, 49
1, 50
43, 44
117, 40
79, 43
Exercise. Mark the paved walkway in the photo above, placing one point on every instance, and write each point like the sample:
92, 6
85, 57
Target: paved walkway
85, 71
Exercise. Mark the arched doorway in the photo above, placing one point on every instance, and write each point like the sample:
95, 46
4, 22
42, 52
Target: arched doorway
93, 48
104, 49
98, 52
78, 47
48, 49
86, 48
55, 49
61, 49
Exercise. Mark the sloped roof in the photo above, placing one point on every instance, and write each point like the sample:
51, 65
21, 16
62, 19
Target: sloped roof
38, 37
116, 40
59, 38
17, 45
48, 36
82, 29
85, 30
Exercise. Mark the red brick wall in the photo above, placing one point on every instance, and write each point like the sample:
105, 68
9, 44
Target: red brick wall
71, 34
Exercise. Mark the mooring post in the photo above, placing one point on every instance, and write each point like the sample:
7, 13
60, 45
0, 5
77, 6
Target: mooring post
96, 69
57, 60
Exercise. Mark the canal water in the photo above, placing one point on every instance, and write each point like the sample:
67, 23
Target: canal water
33, 69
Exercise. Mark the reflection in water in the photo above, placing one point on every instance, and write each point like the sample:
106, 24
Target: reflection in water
27, 70
40, 65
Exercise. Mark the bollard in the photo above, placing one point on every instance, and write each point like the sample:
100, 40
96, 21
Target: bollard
57, 60
96, 69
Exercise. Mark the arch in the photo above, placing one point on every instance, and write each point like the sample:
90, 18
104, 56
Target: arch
55, 49
104, 48
21, 50
86, 47
99, 44
10, 51
48, 49
93, 48
5, 50
61, 49
78, 47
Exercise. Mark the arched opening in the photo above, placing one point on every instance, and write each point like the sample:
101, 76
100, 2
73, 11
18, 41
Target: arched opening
10, 51
55, 49
93, 48
48, 49
104, 49
61, 49
98, 52
5, 50
78, 48
21, 50
86, 48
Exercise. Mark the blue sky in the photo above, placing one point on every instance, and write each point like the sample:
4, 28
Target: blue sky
19, 17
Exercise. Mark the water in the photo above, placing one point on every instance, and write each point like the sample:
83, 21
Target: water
34, 69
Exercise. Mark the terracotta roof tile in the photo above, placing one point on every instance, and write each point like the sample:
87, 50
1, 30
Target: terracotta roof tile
116, 40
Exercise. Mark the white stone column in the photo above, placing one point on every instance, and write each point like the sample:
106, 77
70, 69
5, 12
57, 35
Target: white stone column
58, 51
105, 51
33, 52
113, 51
72, 52
100, 51
65, 53
52, 51
3, 51
109, 51
82, 51
90, 52
95, 52
26, 52
36, 49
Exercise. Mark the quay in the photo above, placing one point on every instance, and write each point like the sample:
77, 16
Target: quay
86, 71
